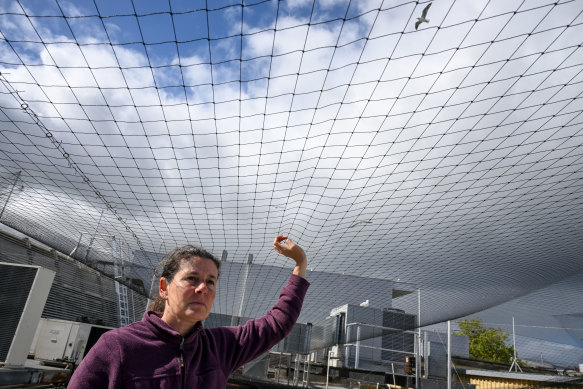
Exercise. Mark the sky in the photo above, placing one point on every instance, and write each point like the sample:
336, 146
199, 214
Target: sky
447, 157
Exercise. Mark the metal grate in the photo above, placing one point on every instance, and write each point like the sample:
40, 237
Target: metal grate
16, 284
78, 293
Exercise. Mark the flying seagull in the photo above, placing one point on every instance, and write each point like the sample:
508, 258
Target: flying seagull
360, 222
423, 16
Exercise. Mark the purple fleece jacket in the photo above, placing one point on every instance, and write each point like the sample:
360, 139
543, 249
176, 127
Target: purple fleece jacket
147, 354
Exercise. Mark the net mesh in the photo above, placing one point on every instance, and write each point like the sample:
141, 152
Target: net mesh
447, 158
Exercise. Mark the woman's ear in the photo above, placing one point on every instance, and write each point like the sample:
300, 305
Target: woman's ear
163, 288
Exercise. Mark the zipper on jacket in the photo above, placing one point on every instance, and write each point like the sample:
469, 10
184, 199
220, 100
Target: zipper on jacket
181, 354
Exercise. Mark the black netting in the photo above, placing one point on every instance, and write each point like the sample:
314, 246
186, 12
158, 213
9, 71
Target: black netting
435, 171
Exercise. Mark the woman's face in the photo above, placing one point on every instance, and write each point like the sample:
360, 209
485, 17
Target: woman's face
190, 295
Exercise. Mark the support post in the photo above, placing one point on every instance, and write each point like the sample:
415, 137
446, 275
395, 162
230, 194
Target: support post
328, 368
449, 354
515, 364
279, 367
10, 193
418, 353
357, 353
244, 291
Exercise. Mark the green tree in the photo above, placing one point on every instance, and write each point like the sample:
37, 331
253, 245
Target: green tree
487, 344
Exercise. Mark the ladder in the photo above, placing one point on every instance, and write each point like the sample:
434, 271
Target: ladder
121, 290
122, 304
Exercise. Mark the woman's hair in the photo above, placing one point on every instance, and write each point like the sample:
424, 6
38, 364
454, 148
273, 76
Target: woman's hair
171, 264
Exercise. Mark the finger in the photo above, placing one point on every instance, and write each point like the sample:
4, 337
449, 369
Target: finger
280, 238
277, 246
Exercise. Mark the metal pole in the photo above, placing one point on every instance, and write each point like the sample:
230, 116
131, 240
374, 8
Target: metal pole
425, 356
306, 372
288, 368
117, 285
10, 193
133, 306
279, 367
92, 237
514, 338
249, 260
131, 290
296, 370
328, 368
357, 356
77, 246
449, 354
418, 353
514, 361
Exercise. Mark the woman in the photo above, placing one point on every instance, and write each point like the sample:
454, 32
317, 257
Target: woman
171, 349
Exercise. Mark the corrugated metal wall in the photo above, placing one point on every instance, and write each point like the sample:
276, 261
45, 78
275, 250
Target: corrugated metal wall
78, 292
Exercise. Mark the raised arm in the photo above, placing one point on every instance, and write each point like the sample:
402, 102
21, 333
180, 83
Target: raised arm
285, 246
239, 345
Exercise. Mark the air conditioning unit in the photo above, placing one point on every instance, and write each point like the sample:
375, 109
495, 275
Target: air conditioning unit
64, 340
23, 296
